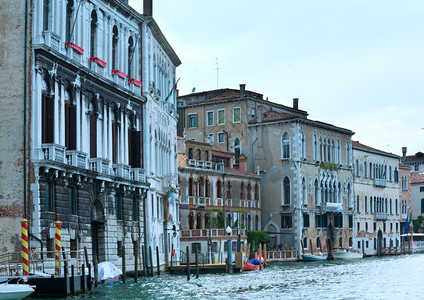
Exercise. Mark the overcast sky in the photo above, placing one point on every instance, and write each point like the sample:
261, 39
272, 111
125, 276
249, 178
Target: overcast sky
357, 64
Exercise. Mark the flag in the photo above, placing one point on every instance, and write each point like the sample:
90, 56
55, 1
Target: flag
172, 90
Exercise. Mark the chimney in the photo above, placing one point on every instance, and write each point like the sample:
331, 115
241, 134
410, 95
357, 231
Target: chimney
243, 163
296, 103
148, 7
242, 90
404, 153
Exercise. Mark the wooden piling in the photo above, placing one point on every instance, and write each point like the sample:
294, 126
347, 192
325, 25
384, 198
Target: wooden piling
188, 263
151, 260
143, 254
197, 264
310, 243
260, 256
135, 262
219, 253
172, 254
86, 256
265, 255
248, 252
83, 279
72, 287
157, 259
96, 271
89, 277
329, 250
123, 262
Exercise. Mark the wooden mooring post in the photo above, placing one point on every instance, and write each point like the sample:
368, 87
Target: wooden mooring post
123, 263
157, 259
188, 264
135, 262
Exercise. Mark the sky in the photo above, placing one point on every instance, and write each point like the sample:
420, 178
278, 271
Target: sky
357, 64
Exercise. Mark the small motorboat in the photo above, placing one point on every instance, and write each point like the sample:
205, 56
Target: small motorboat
341, 253
107, 273
313, 257
12, 291
252, 264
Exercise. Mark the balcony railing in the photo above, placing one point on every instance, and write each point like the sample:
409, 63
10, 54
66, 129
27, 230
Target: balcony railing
335, 207
76, 158
100, 165
381, 216
138, 174
54, 152
380, 182
205, 233
205, 164
122, 171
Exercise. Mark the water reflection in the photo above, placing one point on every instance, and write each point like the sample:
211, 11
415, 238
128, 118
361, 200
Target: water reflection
399, 277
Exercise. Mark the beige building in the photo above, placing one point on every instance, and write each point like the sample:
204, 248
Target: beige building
377, 205
213, 196
305, 166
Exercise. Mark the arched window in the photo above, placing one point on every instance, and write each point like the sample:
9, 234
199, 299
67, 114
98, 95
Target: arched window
190, 187
257, 223
390, 173
190, 153
349, 196
242, 222
219, 189
256, 192
93, 32
229, 220
305, 243
316, 193
318, 243
347, 153
315, 147
340, 242
201, 188
285, 146
304, 194
350, 241
229, 190
249, 191
242, 191
115, 48
286, 191
357, 203
339, 153
70, 122
198, 155
249, 223
207, 189
391, 206
207, 224
365, 169
198, 221
237, 150
396, 206
302, 147
190, 221
206, 155
357, 168
366, 204
130, 56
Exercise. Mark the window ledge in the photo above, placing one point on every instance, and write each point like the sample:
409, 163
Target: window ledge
98, 61
119, 73
74, 46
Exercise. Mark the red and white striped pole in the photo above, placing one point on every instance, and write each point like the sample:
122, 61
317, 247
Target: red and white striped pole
25, 257
57, 240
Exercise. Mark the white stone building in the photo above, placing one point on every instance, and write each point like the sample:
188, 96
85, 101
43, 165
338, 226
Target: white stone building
377, 206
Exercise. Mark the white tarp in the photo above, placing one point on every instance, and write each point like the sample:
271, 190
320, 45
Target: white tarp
106, 270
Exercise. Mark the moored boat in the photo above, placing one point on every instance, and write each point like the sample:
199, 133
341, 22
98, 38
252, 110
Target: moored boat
108, 273
345, 254
11, 291
313, 257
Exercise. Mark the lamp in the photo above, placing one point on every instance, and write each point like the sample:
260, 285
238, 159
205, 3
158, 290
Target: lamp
228, 230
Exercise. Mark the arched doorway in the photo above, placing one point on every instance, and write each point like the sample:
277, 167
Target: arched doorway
98, 231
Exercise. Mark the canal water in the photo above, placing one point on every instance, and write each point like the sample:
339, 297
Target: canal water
391, 277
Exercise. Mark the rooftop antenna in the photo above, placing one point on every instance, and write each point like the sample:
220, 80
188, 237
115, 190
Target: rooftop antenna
217, 74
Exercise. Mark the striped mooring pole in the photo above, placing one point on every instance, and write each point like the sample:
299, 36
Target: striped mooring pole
57, 239
24, 233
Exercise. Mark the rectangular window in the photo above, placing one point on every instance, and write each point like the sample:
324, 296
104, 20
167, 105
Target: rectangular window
194, 247
209, 117
416, 167
236, 115
47, 129
134, 208
421, 188
286, 222
70, 127
134, 148
214, 247
93, 135
73, 248
221, 138
221, 117
350, 222
48, 196
192, 120
318, 221
71, 201
119, 246
305, 220
374, 227
118, 207
367, 244
211, 138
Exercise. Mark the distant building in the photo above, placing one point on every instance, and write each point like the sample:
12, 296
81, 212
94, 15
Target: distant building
213, 196
417, 194
305, 165
416, 161
377, 205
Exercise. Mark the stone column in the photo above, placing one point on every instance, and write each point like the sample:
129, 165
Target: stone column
109, 142
56, 110
78, 111
105, 123
121, 139
126, 161
62, 114
85, 136
37, 116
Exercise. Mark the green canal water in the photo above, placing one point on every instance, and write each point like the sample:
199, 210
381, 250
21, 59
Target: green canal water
394, 277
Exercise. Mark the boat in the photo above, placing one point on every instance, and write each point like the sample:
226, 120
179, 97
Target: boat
12, 291
341, 253
107, 273
313, 257
252, 264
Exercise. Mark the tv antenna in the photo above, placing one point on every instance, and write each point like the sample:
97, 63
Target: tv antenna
217, 73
